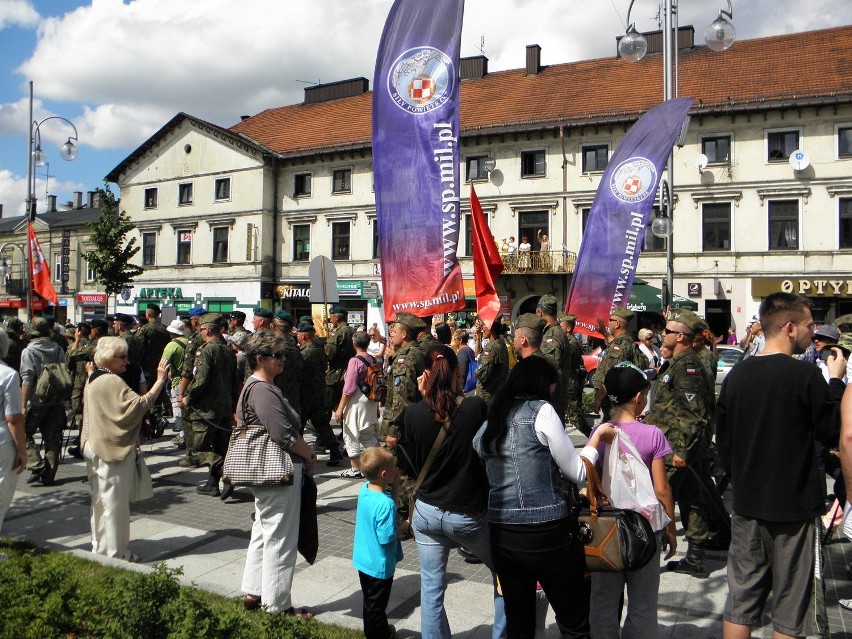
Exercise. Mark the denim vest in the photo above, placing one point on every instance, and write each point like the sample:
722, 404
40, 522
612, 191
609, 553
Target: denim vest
523, 476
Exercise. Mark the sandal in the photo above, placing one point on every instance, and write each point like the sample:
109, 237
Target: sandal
250, 602
351, 473
301, 613
845, 604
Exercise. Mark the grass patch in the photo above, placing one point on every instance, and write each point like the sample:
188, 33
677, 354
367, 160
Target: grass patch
47, 595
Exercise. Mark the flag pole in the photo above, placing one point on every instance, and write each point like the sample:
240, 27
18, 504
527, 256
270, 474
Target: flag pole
30, 211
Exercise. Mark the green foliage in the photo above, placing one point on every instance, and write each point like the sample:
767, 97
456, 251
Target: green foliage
111, 257
46, 595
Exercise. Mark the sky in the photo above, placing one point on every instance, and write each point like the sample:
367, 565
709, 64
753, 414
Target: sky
120, 69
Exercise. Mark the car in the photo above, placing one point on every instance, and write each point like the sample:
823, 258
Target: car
590, 363
728, 357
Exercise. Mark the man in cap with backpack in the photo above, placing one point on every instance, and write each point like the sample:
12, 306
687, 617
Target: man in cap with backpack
42, 400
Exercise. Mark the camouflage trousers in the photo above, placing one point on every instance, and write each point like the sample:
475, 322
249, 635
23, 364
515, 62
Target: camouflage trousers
49, 421
207, 440
698, 501
318, 416
406, 485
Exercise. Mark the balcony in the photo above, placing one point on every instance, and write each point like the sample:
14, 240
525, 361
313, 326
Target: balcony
539, 263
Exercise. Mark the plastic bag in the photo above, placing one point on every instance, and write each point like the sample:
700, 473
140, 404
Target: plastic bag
627, 481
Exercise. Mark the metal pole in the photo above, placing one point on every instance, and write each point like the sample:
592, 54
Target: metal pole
30, 211
669, 51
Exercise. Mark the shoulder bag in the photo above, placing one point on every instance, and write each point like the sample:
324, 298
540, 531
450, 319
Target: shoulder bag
143, 486
614, 539
253, 459
442, 434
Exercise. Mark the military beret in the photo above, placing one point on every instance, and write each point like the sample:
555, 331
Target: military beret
99, 324
411, 321
568, 318
265, 313
337, 310
153, 307
305, 327
38, 327
195, 311
284, 316
624, 313
83, 325
548, 303
110, 318
843, 319
123, 318
211, 318
690, 320
237, 315
306, 318
14, 324
530, 320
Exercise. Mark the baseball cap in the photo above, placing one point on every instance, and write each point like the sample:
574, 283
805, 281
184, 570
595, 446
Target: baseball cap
623, 381
195, 311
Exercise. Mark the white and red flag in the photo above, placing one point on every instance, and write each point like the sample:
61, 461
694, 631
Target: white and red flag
487, 263
41, 272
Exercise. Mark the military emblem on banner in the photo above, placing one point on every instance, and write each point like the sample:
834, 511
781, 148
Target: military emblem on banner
421, 80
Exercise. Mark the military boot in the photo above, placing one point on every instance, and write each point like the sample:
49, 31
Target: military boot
210, 488
692, 564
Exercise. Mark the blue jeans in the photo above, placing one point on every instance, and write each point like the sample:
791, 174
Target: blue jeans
436, 532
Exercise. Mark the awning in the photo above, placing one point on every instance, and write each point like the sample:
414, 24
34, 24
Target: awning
645, 297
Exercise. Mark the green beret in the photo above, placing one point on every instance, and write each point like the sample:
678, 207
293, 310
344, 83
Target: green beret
690, 320
530, 320
306, 318
337, 310
548, 303
211, 318
568, 318
622, 312
305, 327
411, 321
284, 316
265, 313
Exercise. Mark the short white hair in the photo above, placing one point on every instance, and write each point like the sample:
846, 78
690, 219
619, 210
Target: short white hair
107, 348
645, 333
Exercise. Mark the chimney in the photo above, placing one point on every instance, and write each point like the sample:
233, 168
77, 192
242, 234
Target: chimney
96, 200
474, 68
51, 204
533, 59
336, 90
78, 199
90, 199
243, 118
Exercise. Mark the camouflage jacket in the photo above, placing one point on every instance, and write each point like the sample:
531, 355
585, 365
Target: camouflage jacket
621, 349
77, 358
290, 380
153, 339
194, 342
680, 407
407, 365
574, 357
339, 350
312, 388
212, 393
492, 370
555, 348
426, 342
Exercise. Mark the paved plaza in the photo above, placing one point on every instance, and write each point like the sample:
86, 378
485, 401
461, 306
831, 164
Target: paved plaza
208, 539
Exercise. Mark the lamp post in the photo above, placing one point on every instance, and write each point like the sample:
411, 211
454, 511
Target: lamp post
6, 268
719, 36
37, 157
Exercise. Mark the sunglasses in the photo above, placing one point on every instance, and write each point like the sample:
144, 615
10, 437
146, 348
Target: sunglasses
669, 331
275, 355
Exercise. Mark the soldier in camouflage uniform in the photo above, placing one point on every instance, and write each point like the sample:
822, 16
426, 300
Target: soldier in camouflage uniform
211, 399
554, 347
153, 338
122, 325
681, 411
493, 367
80, 351
575, 382
425, 340
338, 350
313, 391
620, 349
193, 344
236, 322
290, 379
528, 330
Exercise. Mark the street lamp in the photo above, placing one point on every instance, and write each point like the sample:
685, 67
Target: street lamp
37, 157
6, 268
719, 36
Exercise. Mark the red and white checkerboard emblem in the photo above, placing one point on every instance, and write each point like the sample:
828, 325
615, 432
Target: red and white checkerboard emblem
422, 88
632, 185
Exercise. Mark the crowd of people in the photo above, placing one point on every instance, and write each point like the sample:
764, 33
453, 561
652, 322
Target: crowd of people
469, 450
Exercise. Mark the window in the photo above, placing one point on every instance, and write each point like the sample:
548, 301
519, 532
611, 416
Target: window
185, 193
301, 242
845, 222
302, 185
584, 215
475, 169
340, 240
57, 267
717, 149
844, 142
532, 164
223, 188
219, 306
652, 243
151, 198
468, 234
90, 272
783, 224
184, 246
716, 226
377, 251
595, 158
781, 144
149, 249
220, 244
341, 181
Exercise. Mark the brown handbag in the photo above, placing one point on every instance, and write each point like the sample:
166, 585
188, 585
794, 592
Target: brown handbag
614, 539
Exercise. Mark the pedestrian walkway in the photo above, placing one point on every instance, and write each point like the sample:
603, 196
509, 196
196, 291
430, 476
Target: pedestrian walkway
207, 538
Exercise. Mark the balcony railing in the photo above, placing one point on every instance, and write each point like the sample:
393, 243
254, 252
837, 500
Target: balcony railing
539, 262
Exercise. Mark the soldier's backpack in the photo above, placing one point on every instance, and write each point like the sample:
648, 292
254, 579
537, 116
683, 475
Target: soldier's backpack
54, 384
374, 386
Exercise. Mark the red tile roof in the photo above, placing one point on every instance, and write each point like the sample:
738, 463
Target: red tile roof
812, 67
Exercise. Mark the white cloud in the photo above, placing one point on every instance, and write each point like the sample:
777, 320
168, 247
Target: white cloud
13, 192
18, 13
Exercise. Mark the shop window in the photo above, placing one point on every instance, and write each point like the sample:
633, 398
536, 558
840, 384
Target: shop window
149, 249
340, 232
717, 149
595, 158
185, 194
223, 188
341, 181
780, 145
151, 198
845, 222
783, 224
716, 226
184, 246
301, 242
533, 164
220, 244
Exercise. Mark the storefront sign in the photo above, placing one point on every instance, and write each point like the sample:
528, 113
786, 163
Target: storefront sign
350, 288
91, 298
807, 286
693, 289
160, 293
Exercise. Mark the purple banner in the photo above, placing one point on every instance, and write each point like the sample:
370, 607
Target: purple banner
615, 230
416, 157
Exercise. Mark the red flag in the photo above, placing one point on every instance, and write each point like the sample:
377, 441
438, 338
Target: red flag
487, 264
41, 272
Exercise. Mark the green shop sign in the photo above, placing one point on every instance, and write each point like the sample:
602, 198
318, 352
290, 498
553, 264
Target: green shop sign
160, 293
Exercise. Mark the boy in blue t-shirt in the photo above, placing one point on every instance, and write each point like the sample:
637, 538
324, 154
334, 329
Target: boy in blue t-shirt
377, 549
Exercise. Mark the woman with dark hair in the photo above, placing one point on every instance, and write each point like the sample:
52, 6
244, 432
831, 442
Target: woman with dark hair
451, 502
534, 536
493, 365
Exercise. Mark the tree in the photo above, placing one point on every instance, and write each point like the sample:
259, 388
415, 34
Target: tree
111, 257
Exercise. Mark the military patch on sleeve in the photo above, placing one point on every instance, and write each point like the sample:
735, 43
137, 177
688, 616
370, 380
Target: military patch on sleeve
401, 361
666, 379
689, 396
691, 371
616, 348
397, 381
549, 339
